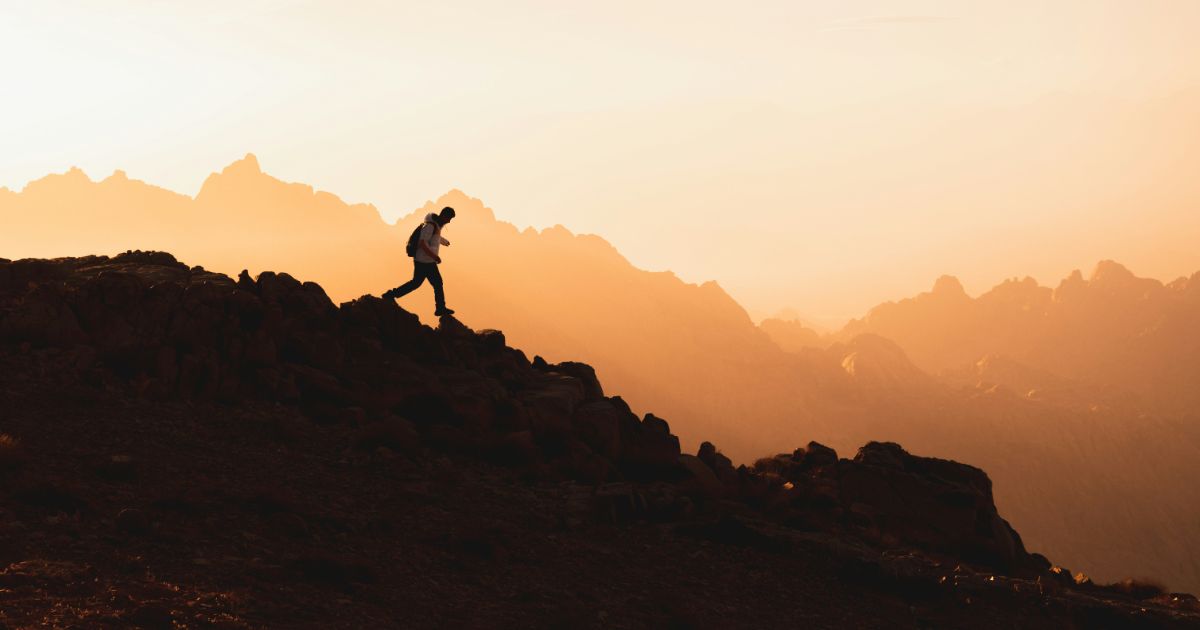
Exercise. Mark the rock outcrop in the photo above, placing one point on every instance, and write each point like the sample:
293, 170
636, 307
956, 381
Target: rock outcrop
144, 326
147, 322
890, 496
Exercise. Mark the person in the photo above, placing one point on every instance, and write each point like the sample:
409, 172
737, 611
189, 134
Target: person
426, 261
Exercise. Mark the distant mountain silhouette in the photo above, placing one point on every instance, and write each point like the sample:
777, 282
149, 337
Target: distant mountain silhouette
241, 218
791, 334
1098, 479
1099, 372
1113, 331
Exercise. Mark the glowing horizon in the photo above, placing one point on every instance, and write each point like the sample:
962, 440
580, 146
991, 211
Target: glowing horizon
786, 313
866, 148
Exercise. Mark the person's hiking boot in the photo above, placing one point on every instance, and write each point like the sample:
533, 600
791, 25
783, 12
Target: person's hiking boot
390, 294
442, 311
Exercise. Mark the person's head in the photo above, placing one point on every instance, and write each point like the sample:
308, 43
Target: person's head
445, 215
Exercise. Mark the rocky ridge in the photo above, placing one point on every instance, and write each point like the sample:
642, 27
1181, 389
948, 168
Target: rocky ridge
369, 376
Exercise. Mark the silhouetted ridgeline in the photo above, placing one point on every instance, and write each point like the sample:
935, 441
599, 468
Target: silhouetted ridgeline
1078, 400
1110, 330
690, 351
144, 326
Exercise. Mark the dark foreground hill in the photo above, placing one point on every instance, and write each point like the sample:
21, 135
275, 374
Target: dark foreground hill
180, 448
1079, 401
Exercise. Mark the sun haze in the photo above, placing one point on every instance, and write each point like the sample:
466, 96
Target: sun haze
818, 156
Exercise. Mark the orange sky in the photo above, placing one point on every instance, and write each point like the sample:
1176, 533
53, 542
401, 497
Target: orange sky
820, 156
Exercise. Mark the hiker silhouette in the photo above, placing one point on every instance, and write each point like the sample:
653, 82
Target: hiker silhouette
423, 246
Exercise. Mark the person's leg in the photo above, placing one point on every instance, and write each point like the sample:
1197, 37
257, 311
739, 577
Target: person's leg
439, 295
407, 287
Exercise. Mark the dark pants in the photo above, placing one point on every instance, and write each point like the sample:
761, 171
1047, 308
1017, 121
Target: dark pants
421, 272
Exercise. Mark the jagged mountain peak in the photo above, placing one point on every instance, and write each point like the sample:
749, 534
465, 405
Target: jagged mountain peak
869, 357
466, 207
236, 177
948, 285
248, 165
1018, 292
72, 176
1110, 271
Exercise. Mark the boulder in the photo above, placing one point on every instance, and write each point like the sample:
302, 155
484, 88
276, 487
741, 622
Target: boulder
700, 477
586, 375
816, 455
552, 404
931, 503
721, 465
647, 451
451, 327
492, 340
599, 426
318, 385
654, 424
580, 462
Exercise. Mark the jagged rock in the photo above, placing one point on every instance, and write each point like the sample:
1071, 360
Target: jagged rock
701, 476
932, 503
817, 455
585, 374
721, 465
450, 326
552, 405
882, 454
246, 283
647, 450
797, 466
580, 462
778, 465
655, 424
492, 340
320, 391
619, 502
599, 425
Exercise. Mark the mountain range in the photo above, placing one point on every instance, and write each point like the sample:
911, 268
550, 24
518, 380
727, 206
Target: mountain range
1080, 400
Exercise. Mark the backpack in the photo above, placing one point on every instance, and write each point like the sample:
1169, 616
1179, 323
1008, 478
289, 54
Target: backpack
413, 239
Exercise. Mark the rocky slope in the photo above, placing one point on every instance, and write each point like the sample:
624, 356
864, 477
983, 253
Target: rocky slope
184, 448
658, 339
